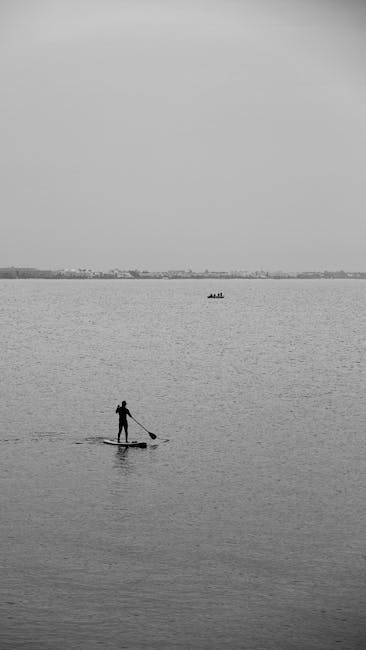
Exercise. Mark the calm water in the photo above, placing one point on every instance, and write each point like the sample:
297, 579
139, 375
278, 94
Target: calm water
246, 529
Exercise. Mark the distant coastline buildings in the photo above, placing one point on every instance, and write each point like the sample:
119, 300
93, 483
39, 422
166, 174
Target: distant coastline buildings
135, 274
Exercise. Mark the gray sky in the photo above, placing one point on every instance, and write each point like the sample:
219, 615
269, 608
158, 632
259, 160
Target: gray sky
175, 134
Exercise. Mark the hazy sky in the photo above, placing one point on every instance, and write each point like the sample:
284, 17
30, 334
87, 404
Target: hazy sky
173, 134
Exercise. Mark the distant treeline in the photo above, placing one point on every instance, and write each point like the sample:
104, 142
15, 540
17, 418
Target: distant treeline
14, 273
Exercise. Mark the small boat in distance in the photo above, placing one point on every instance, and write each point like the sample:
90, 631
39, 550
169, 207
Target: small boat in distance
216, 295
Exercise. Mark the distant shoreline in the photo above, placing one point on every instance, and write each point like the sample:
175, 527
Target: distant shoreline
22, 273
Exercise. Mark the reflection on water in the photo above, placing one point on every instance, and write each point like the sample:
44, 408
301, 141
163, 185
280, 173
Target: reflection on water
123, 460
247, 529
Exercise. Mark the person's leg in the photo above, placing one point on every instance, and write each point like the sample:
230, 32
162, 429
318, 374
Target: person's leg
119, 431
126, 431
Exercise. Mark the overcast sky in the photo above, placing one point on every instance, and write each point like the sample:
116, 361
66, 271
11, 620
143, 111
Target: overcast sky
175, 134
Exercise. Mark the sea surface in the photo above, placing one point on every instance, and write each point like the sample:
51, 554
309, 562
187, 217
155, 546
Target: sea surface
242, 525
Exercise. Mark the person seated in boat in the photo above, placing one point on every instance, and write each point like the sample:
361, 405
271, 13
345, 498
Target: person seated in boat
123, 412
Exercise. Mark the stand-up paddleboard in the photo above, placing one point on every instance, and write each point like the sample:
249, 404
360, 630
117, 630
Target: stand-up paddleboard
142, 445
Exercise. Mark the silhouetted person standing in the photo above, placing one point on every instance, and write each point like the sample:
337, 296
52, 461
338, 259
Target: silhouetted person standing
123, 412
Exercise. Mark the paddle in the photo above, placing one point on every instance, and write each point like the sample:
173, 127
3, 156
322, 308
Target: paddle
152, 435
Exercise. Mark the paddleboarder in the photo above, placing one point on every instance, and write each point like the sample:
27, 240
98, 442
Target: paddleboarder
123, 412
